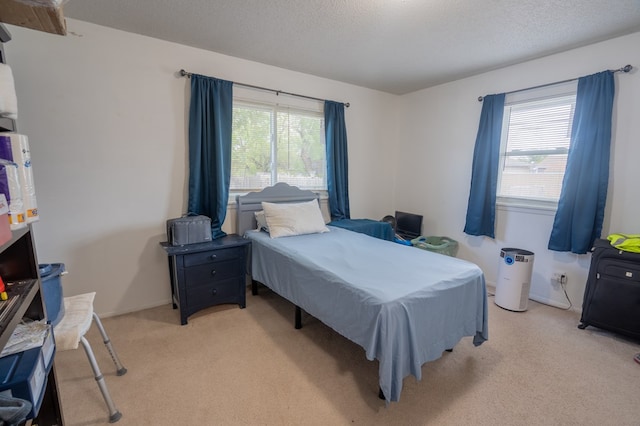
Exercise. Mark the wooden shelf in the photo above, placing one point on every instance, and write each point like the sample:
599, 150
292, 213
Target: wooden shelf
18, 259
20, 297
47, 17
19, 271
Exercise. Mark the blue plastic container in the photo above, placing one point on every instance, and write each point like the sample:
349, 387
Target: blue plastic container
52, 291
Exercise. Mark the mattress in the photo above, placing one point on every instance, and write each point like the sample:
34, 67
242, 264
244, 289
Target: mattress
403, 305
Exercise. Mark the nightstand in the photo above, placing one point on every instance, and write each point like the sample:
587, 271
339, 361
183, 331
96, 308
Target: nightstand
208, 274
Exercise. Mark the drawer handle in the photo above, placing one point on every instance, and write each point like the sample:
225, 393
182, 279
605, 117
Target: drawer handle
213, 257
214, 291
213, 272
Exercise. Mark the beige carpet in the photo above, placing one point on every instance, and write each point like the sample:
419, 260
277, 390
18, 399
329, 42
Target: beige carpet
232, 366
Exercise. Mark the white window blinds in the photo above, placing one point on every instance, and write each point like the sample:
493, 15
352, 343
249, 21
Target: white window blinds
536, 137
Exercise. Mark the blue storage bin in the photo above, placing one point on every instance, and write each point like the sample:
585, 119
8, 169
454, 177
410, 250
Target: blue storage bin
52, 291
24, 374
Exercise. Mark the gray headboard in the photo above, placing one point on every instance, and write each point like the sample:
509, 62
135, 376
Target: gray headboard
247, 205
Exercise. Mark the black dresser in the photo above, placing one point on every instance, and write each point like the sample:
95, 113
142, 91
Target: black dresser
612, 295
208, 274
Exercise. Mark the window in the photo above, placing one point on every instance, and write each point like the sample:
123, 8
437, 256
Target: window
272, 143
536, 136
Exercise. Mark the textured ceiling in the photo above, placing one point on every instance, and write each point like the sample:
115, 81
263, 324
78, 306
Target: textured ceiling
396, 46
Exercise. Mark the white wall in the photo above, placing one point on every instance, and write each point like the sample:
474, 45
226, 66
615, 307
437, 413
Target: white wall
106, 118
438, 129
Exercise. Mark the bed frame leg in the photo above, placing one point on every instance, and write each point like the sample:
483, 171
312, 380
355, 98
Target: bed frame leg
254, 287
298, 324
380, 393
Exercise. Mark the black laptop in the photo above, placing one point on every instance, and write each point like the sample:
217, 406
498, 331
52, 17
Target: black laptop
408, 225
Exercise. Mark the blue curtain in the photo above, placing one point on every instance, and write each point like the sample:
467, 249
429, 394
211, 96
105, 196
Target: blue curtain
481, 210
337, 160
210, 116
578, 220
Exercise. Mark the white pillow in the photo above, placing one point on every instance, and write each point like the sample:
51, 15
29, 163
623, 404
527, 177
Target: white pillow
261, 221
289, 219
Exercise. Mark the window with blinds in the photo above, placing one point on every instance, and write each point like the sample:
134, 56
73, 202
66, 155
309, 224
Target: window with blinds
272, 143
536, 138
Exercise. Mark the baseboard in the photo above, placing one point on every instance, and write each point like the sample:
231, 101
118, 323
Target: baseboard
551, 302
136, 309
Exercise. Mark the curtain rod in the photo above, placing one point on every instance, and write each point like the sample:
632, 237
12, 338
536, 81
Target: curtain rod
187, 74
624, 69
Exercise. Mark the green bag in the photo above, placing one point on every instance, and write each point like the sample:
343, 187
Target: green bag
626, 242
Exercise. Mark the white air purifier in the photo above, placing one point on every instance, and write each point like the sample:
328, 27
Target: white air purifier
514, 279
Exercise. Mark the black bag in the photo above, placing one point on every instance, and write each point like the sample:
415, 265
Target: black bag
612, 295
188, 230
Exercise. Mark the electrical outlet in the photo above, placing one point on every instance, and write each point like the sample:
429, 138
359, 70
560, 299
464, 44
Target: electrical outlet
559, 277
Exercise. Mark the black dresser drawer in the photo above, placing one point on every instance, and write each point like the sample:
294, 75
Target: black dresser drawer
213, 256
213, 272
221, 291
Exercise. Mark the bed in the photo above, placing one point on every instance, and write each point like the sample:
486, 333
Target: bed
404, 306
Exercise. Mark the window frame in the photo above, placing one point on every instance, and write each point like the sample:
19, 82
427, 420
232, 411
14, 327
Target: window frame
274, 108
530, 96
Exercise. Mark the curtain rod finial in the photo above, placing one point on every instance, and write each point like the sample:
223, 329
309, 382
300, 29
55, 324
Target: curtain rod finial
627, 68
480, 98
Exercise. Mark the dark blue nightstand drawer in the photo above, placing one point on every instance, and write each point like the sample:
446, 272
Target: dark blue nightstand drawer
213, 256
221, 291
213, 272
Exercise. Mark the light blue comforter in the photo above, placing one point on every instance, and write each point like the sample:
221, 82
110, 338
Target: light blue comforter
403, 305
